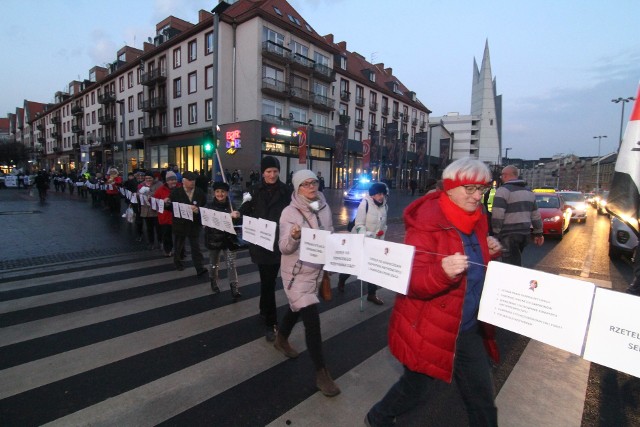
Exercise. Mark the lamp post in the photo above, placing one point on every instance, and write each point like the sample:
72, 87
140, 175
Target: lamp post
506, 154
124, 140
622, 101
598, 166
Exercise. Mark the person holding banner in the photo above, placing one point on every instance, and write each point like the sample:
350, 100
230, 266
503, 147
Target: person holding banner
433, 330
371, 220
301, 280
165, 219
267, 200
147, 189
218, 241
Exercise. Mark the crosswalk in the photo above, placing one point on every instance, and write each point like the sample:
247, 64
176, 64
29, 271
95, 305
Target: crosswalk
128, 340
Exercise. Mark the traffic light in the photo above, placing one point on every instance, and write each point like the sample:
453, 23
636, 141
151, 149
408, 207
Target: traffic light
208, 144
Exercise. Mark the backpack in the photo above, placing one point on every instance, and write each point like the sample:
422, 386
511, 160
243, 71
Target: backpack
352, 223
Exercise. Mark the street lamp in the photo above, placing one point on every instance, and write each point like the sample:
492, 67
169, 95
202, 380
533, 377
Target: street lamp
506, 154
598, 166
622, 101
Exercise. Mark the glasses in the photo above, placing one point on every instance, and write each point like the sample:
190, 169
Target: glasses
471, 189
308, 184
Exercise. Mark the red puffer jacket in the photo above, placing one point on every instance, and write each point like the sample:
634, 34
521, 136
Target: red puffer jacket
424, 324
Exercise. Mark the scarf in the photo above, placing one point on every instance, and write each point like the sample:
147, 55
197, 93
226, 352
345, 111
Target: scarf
461, 219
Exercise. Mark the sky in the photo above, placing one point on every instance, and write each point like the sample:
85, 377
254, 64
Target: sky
557, 64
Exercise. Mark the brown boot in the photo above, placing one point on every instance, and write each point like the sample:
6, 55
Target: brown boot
325, 384
282, 345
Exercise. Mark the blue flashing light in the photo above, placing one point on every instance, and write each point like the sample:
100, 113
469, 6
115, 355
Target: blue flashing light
364, 180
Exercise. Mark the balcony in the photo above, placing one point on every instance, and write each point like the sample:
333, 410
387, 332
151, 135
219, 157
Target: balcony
423, 124
372, 127
373, 106
275, 87
385, 111
106, 119
154, 131
301, 95
40, 127
55, 120
105, 140
414, 122
396, 115
276, 52
345, 95
153, 77
42, 139
301, 62
77, 129
324, 130
359, 124
57, 149
344, 119
276, 120
322, 72
77, 110
323, 103
157, 103
360, 101
107, 98
405, 118
56, 135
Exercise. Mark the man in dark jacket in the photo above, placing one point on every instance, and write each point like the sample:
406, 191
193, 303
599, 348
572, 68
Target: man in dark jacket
183, 228
268, 200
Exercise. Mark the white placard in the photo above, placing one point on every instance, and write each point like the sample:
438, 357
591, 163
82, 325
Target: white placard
134, 198
387, 264
160, 205
225, 222
548, 308
185, 211
154, 203
614, 332
249, 229
312, 245
343, 253
206, 217
266, 233
176, 210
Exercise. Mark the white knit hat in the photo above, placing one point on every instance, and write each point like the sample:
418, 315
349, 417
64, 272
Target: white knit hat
301, 176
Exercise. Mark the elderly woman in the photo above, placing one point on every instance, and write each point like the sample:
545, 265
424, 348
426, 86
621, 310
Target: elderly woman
301, 280
434, 330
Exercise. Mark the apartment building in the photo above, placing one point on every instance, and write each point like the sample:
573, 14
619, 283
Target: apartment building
277, 80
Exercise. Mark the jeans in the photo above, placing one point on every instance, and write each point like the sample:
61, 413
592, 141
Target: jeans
268, 275
513, 245
214, 259
472, 372
312, 334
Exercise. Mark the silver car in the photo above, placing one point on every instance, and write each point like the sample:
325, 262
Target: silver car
577, 201
622, 239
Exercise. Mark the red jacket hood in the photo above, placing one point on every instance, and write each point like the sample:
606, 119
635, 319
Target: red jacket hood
424, 214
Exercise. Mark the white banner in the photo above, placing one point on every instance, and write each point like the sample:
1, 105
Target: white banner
185, 211
312, 245
250, 229
225, 221
266, 233
548, 308
176, 210
614, 332
343, 253
387, 264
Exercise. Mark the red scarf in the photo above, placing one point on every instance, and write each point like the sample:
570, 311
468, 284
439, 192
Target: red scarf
461, 219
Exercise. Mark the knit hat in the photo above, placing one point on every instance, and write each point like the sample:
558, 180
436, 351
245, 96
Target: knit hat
170, 175
269, 162
191, 176
301, 176
219, 185
148, 174
378, 188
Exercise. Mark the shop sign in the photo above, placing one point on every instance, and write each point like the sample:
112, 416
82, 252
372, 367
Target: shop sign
234, 141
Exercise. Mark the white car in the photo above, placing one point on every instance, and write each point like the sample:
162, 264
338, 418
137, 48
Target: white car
622, 239
577, 201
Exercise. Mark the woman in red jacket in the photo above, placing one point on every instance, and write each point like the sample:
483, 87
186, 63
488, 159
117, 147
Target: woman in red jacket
434, 331
165, 219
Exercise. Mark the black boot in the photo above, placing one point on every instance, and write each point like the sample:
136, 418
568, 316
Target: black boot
235, 293
214, 287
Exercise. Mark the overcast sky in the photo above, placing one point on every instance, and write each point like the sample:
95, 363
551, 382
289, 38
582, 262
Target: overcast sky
558, 64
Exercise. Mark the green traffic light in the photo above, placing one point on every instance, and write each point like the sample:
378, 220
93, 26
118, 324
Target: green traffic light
208, 145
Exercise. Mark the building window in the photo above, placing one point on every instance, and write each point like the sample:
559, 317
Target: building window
300, 49
93, 117
93, 98
273, 73
131, 127
130, 79
208, 77
193, 82
177, 87
139, 75
193, 113
140, 99
177, 117
177, 57
193, 50
208, 43
343, 62
320, 59
208, 103
140, 125
269, 35
320, 89
298, 114
121, 83
272, 108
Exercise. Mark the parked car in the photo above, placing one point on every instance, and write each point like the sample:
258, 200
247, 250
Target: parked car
358, 191
622, 239
577, 201
555, 213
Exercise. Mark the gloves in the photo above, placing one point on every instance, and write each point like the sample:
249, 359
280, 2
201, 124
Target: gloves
380, 233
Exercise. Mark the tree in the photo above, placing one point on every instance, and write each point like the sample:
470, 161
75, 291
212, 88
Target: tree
13, 153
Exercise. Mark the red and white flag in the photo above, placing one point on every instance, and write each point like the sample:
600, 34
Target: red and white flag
624, 197
366, 153
302, 146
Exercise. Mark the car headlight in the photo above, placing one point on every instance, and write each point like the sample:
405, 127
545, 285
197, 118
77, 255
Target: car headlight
346, 193
581, 207
603, 203
552, 219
